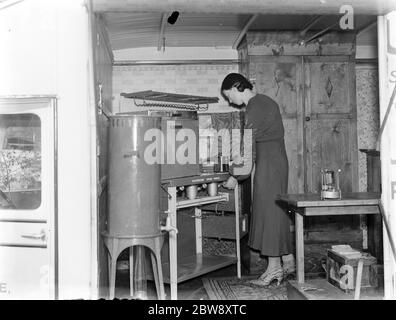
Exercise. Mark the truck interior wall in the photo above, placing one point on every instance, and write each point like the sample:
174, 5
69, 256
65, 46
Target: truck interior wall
103, 79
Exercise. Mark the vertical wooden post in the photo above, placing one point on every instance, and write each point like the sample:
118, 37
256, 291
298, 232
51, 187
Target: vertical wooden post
237, 234
299, 222
358, 279
198, 230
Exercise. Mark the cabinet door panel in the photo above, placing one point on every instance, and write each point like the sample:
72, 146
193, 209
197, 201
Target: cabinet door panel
330, 130
330, 83
278, 79
330, 148
330, 126
294, 156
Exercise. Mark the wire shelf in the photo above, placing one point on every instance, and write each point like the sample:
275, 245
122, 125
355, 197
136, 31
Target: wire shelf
171, 100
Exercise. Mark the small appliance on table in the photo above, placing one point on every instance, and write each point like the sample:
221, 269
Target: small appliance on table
330, 184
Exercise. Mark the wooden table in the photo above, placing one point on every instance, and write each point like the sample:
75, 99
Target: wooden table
309, 204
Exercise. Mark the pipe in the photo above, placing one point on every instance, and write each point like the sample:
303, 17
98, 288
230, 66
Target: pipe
303, 42
244, 30
388, 110
309, 25
9, 4
162, 31
175, 62
167, 227
358, 279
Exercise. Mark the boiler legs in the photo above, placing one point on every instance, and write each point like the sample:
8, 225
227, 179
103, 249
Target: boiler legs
116, 245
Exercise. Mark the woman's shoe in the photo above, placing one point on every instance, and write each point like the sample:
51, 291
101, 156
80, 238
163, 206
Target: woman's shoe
267, 278
289, 269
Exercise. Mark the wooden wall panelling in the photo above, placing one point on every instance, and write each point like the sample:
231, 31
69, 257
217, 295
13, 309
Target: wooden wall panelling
277, 77
285, 43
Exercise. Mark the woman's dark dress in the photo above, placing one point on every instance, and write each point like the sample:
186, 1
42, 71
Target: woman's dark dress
270, 224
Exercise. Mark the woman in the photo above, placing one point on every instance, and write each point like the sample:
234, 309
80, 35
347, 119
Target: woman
270, 225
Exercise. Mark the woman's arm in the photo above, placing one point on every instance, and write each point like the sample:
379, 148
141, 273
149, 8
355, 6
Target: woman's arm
243, 162
242, 168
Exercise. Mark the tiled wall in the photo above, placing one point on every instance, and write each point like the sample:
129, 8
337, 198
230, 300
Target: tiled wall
203, 80
367, 114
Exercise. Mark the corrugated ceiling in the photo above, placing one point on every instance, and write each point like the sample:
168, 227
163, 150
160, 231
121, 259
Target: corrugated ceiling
369, 7
134, 30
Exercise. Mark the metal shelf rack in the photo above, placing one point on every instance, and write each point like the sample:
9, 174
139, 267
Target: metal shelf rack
171, 100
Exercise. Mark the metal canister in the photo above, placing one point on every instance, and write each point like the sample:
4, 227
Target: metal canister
212, 189
134, 182
192, 192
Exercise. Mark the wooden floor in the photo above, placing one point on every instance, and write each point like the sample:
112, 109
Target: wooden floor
188, 290
194, 290
321, 289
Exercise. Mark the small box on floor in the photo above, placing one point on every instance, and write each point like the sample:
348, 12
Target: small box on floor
342, 265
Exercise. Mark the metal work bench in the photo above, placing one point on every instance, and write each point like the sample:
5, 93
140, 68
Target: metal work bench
197, 263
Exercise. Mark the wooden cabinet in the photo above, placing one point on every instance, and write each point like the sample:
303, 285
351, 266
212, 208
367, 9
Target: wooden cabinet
314, 86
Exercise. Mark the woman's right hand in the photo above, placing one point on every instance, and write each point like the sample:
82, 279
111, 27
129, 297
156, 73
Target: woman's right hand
230, 183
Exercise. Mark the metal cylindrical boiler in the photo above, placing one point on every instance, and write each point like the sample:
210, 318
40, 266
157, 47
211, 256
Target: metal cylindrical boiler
134, 177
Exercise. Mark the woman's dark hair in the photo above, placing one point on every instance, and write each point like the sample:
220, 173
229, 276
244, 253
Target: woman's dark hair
236, 80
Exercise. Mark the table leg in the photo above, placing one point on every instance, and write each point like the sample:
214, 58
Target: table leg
172, 202
198, 230
299, 224
237, 234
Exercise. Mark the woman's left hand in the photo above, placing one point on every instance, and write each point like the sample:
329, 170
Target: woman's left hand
230, 183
